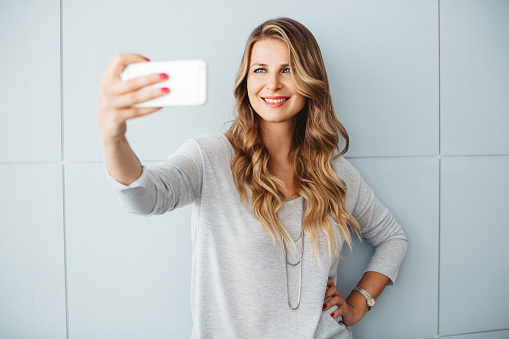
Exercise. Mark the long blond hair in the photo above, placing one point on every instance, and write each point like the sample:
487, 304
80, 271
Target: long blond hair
315, 144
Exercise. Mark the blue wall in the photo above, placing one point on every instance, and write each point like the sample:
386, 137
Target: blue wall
422, 87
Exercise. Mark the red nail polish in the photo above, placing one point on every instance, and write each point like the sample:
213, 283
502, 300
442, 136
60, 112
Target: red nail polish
146, 59
163, 76
324, 307
332, 315
165, 89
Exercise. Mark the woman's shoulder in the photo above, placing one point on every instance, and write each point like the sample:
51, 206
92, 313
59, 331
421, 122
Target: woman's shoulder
209, 146
344, 167
212, 142
211, 138
347, 172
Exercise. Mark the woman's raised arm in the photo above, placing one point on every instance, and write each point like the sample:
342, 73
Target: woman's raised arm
116, 98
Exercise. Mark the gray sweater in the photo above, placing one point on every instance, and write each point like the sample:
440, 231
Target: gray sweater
238, 286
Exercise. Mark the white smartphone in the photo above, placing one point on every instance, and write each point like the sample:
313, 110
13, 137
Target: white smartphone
187, 81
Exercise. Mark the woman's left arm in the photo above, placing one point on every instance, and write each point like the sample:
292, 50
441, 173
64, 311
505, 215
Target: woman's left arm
382, 231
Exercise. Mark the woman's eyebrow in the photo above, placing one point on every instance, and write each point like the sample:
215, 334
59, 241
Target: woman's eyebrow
260, 64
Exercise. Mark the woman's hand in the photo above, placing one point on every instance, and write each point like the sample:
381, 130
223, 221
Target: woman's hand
116, 97
345, 310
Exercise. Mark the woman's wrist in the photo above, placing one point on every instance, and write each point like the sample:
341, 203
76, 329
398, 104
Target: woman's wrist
358, 306
121, 162
374, 283
112, 142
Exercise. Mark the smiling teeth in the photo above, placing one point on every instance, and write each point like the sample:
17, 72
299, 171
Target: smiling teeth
274, 101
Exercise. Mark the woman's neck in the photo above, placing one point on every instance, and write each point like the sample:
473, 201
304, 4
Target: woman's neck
278, 139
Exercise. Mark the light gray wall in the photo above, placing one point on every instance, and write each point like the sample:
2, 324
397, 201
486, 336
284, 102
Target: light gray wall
422, 87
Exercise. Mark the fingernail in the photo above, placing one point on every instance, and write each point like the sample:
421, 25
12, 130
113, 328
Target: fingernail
163, 76
146, 59
324, 307
332, 315
165, 89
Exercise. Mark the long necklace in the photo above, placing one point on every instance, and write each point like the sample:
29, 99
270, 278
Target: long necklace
300, 261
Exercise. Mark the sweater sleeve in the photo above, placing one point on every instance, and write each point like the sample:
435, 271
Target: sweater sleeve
165, 186
381, 230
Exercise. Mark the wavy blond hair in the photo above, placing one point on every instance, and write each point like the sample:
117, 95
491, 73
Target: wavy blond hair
315, 144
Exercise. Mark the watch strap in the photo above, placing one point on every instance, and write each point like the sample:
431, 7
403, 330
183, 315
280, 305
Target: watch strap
370, 301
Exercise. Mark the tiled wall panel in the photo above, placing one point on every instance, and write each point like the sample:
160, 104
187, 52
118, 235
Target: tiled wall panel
128, 275
165, 30
382, 61
409, 188
474, 76
473, 244
32, 278
30, 86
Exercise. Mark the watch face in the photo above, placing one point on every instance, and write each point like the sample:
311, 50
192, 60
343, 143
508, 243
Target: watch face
371, 303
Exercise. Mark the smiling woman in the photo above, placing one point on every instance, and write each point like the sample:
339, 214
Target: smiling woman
274, 200
296, 140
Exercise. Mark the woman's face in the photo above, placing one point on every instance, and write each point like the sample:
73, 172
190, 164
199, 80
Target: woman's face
270, 88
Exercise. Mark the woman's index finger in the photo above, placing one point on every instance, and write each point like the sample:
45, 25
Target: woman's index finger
119, 63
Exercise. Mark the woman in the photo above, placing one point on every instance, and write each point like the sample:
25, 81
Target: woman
274, 201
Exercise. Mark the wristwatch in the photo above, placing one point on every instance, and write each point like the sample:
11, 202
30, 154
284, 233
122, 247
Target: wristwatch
370, 301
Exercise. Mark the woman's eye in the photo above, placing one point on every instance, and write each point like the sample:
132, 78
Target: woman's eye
286, 72
259, 70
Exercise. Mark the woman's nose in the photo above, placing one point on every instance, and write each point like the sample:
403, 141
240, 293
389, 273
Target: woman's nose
274, 82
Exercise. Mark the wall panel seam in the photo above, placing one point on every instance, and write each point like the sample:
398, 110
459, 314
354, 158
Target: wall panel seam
155, 161
439, 171
439, 240
64, 229
439, 88
64, 215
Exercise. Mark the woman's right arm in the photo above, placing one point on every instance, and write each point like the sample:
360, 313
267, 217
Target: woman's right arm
116, 98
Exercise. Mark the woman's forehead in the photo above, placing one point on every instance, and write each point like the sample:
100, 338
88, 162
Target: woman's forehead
269, 52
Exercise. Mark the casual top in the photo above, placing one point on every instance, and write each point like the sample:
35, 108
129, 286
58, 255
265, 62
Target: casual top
238, 286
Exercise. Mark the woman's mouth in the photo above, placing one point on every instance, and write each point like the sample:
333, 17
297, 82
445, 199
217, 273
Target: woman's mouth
274, 102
